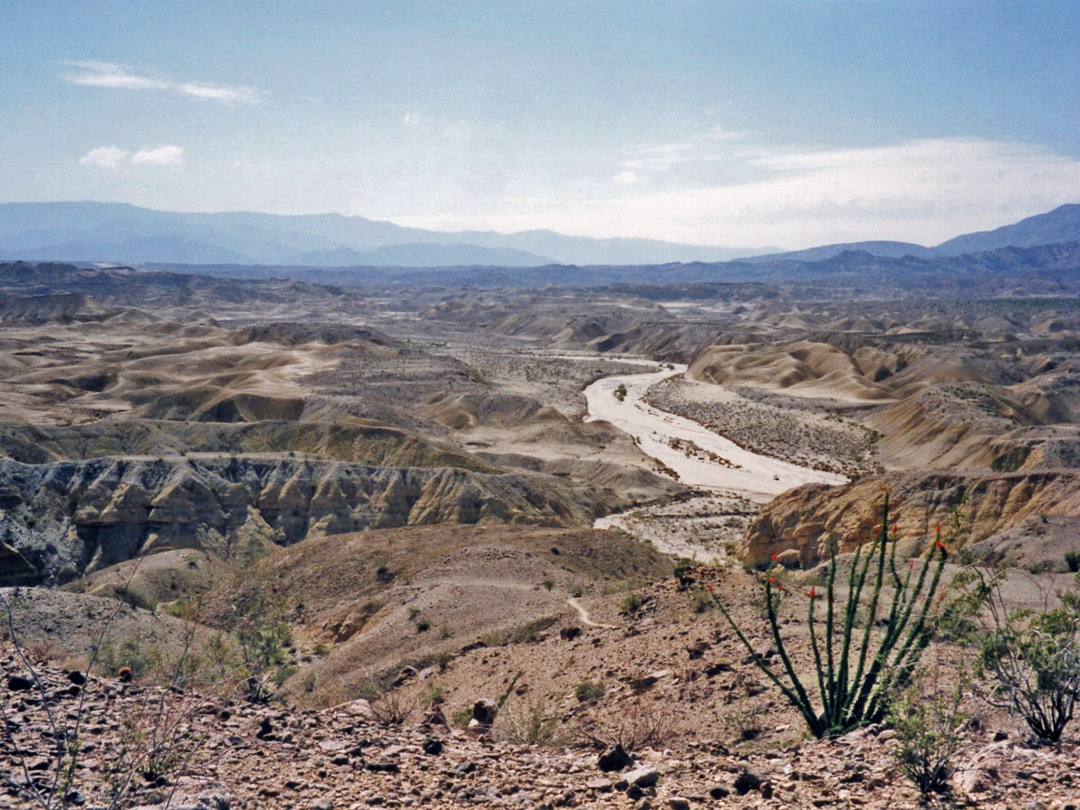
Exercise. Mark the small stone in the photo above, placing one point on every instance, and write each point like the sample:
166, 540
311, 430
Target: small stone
716, 667
614, 758
17, 683
433, 746
322, 804
75, 798
569, 633
1001, 735
719, 792
483, 712
76, 677
266, 728
384, 765
766, 790
599, 785
643, 777
677, 803
747, 781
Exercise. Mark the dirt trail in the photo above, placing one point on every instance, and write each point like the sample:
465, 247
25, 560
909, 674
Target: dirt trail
583, 614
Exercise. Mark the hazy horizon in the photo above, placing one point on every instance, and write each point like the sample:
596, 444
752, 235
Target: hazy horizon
773, 125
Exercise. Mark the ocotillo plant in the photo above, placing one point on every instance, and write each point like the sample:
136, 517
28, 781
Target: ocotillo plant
857, 677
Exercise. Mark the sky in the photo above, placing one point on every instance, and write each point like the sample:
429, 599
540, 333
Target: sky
741, 124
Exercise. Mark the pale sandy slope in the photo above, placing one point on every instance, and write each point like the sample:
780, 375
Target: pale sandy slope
755, 476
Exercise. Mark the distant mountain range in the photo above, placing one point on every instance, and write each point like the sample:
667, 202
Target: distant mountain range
125, 234
1060, 225
120, 233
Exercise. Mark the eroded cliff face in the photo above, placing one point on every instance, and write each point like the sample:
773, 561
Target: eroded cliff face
61, 520
990, 505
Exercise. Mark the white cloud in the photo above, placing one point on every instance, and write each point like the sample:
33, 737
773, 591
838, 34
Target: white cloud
221, 92
112, 75
924, 191
107, 157
108, 74
113, 157
627, 178
169, 156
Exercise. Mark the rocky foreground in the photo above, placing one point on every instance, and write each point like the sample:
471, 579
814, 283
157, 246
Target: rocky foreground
222, 753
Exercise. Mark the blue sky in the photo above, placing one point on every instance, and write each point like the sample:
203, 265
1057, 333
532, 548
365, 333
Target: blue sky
781, 124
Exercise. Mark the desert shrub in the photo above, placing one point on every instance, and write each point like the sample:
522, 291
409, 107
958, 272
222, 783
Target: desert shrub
927, 723
587, 691
433, 693
864, 654
701, 601
131, 653
158, 733
321, 650
534, 723
462, 716
639, 725
393, 707
529, 633
620, 392
1034, 659
495, 638
309, 682
747, 724
548, 584
1072, 560
683, 567
262, 654
630, 604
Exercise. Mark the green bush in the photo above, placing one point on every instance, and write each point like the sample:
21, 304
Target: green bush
587, 691
630, 604
1035, 660
856, 678
1072, 560
927, 729
262, 654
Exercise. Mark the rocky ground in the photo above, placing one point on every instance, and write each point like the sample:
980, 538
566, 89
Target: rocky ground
228, 753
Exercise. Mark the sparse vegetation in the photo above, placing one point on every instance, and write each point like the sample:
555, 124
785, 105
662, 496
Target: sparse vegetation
588, 691
630, 605
854, 687
1034, 659
927, 724
1072, 561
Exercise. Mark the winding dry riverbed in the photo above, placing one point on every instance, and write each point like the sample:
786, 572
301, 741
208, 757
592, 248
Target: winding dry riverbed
702, 458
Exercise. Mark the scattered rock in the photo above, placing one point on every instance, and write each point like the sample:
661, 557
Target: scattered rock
643, 777
614, 759
17, 683
433, 746
483, 712
747, 781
